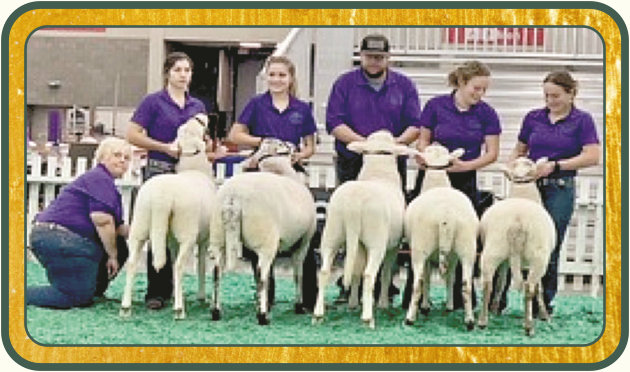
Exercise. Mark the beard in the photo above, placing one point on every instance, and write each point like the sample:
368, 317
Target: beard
375, 75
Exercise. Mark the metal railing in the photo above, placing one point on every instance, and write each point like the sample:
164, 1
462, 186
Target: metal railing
540, 42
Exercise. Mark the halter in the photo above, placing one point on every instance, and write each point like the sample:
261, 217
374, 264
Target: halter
439, 167
196, 152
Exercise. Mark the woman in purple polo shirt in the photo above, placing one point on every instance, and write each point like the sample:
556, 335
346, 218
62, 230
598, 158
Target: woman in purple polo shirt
154, 127
565, 135
461, 120
278, 113
80, 237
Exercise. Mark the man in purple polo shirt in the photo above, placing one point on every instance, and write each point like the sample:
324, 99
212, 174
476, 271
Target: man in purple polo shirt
154, 127
371, 98
368, 99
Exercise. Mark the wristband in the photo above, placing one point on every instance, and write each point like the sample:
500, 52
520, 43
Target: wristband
556, 167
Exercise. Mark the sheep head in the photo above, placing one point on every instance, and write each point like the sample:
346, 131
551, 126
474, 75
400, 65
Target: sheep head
522, 169
381, 142
273, 155
438, 156
190, 135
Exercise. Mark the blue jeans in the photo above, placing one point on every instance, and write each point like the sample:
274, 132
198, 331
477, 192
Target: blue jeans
558, 197
71, 262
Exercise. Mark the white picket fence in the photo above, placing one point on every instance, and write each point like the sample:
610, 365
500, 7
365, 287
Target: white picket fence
581, 265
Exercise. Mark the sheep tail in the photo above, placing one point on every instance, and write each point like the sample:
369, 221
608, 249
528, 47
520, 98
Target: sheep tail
231, 214
517, 240
446, 235
352, 225
160, 222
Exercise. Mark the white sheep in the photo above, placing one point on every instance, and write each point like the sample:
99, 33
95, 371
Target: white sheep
440, 223
367, 216
172, 211
520, 230
267, 212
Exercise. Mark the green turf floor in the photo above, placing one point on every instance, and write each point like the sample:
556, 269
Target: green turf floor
577, 320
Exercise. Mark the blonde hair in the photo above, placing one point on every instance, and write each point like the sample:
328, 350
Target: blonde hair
109, 146
290, 66
467, 71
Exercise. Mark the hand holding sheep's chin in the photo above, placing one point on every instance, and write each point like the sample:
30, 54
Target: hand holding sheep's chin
421, 163
545, 169
297, 156
112, 267
172, 150
459, 166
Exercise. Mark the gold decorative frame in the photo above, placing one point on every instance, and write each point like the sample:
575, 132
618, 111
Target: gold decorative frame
26, 352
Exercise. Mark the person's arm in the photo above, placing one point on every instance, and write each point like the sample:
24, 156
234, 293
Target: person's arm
408, 136
588, 157
424, 140
488, 156
308, 149
106, 229
239, 134
136, 135
521, 149
343, 133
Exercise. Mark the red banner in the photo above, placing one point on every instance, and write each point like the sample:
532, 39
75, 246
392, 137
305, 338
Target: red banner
499, 36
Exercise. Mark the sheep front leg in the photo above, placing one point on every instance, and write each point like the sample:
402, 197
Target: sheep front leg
386, 278
132, 265
357, 273
425, 307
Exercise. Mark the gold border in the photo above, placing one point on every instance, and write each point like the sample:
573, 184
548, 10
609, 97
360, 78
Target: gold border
32, 19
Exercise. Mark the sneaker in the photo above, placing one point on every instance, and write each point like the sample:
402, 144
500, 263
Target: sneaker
155, 303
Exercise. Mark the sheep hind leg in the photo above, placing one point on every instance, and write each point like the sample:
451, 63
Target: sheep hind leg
374, 260
487, 273
216, 299
179, 306
135, 246
469, 318
328, 254
262, 288
201, 272
530, 289
298, 274
418, 273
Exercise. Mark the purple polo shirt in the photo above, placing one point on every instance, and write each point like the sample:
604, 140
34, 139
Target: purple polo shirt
262, 118
93, 191
161, 116
352, 101
562, 140
459, 129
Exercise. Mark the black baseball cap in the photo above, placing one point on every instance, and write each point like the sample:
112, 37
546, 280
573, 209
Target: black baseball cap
375, 44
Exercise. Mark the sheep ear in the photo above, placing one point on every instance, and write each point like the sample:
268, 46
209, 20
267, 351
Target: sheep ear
456, 154
357, 146
507, 170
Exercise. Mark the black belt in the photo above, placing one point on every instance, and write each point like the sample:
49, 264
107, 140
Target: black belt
557, 181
